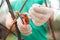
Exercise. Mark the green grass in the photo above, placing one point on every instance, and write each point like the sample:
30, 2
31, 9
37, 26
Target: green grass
10, 37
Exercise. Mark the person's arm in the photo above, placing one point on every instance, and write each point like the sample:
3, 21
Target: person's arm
4, 12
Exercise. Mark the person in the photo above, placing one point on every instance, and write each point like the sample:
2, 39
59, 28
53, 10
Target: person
37, 28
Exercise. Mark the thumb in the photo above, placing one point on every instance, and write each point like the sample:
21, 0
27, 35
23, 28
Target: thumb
9, 20
19, 22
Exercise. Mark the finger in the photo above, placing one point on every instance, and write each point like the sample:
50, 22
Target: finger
43, 10
34, 18
34, 5
36, 8
19, 22
41, 16
24, 22
32, 14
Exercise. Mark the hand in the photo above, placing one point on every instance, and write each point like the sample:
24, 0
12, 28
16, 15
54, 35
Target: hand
25, 29
9, 22
40, 14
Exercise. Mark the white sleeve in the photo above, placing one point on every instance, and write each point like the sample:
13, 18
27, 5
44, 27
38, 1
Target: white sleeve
3, 12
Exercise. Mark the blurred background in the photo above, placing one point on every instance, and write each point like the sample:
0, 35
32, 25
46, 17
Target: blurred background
55, 4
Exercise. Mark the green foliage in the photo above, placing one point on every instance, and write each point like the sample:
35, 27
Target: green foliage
10, 37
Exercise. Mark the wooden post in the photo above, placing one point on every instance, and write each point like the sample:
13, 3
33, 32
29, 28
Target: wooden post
50, 24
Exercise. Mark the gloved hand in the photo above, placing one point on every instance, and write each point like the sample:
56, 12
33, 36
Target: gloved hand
25, 29
39, 14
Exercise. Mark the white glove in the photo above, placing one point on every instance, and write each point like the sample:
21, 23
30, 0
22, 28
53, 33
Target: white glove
24, 29
39, 14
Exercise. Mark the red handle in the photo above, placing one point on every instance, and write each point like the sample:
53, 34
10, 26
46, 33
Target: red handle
25, 19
